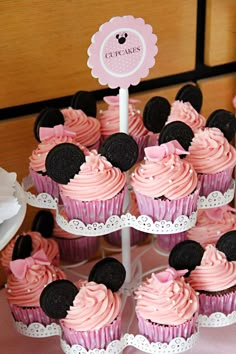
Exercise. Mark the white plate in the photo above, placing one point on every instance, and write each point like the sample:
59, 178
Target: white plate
9, 227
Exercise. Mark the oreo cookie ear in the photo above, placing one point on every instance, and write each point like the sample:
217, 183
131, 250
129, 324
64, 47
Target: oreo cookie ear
48, 117
110, 272
186, 255
227, 245
223, 120
179, 131
121, 150
43, 223
155, 114
22, 248
85, 101
192, 94
63, 162
57, 297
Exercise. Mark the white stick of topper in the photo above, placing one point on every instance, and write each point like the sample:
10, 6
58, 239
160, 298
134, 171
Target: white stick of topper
121, 53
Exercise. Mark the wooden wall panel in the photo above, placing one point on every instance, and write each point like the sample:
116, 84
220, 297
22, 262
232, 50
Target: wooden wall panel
220, 43
43, 44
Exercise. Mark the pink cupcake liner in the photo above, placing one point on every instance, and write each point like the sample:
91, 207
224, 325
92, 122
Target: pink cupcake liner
77, 249
153, 139
165, 333
29, 315
44, 184
215, 182
168, 210
167, 241
209, 304
94, 211
136, 237
143, 142
98, 338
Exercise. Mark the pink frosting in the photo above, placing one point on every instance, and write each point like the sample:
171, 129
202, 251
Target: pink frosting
87, 129
184, 112
97, 180
94, 307
51, 137
110, 118
163, 173
166, 299
49, 246
211, 224
214, 273
28, 279
210, 152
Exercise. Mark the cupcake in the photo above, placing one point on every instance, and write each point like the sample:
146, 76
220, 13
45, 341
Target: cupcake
91, 315
136, 236
165, 242
212, 224
49, 138
93, 187
166, 307
213, 158
110, 120
74, 248
24, 285
212, 272
165, 185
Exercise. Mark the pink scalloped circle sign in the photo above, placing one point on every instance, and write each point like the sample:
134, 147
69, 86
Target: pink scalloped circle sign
122, 52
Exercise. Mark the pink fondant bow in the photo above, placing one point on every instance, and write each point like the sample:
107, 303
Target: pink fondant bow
169, 274
19, 267
157, 153
57, 131
114, 100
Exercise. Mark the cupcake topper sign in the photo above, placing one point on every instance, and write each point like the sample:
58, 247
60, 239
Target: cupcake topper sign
122, 51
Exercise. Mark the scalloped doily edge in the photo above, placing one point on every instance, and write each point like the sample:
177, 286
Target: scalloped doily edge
38, 330
177, 345
217, 319
216, 199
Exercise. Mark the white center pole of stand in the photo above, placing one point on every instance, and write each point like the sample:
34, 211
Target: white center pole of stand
125, 233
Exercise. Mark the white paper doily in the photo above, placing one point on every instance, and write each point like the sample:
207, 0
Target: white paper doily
41, 200
216, 198
176, 345
217, 319
37, 330
114, 223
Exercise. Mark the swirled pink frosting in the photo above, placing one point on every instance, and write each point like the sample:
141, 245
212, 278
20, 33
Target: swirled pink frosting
27, 291
184, 112
38, 156
87, 129
49, 246
97, 180
170, 177
166, 299
214, 273
211, 224
210, 152
110, 118
94, 307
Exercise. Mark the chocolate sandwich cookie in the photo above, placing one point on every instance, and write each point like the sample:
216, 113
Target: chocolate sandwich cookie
223, 120
155, 114
227, 245
177, 131
22, 248
43, 223
49, 117
85, 101
192, 94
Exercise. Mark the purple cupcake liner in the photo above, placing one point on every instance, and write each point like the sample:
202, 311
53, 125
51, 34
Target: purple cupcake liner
77, 249
168, 210
44, 184
215, 182
167, 241
209, 304
98, 338
95, 210
136, 237
28, 315
143, 142
165, 333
